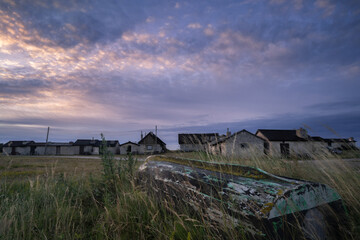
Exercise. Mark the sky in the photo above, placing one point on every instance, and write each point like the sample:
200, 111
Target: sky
118, 67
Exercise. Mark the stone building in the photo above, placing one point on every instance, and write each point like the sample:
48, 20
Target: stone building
55, 148
196, 141
88, 146
290, 142
151, 144
241, 144
19, 148
341, 143
113, 146
129, 147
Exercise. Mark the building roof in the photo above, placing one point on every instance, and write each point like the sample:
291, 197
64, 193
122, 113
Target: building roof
129, 142
112, 143
280, 135
87, 142
18, 143
221, 140
152, 135
343, 140
317, 139
51, 144
196, 138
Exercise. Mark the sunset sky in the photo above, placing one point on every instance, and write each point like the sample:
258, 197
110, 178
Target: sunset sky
87, 67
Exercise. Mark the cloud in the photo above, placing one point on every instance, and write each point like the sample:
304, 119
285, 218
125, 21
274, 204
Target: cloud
326, 5
194, 25
144, 63
58, 23
339, 106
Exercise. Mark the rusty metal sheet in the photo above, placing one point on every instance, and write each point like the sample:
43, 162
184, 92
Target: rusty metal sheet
235, 194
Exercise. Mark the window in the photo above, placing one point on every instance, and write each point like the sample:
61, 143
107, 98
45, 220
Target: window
285, 149
149, 147
244, 145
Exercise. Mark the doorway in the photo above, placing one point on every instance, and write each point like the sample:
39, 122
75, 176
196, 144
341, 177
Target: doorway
57, 150
128, 149
285, 149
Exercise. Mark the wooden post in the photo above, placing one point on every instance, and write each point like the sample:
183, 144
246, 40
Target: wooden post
47, 138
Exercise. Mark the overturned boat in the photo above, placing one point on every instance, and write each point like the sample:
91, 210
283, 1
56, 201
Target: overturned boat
263, 204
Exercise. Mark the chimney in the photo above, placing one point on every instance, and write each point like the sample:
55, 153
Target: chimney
302, 133
228, 133
141, 136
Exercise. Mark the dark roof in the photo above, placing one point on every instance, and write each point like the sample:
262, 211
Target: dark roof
151, 134
196, 138
111, 143
129, 142
280, 135
18, 143
87, 142
51, 144
226, 138
344, 140
318, 139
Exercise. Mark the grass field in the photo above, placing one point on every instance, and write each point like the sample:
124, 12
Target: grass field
89, 198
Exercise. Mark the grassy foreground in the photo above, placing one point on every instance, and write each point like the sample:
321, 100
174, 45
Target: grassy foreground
60, 198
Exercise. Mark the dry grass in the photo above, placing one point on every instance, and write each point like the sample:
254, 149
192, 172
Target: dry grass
67, 198
72, 166
341, 174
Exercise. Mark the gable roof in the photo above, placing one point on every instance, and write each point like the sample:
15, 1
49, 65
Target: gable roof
280, 135
129, 142
226, 138
195, 138
18, 143
152, 135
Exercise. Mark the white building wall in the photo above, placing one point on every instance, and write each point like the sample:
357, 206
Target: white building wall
40, 150
69, 150
298, 148
243, 145
22, 150
52, 150
91, 150
134, 148
114, 150
192, 147
143, 149
6, 150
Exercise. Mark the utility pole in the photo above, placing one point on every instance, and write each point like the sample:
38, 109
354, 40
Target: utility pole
155, 137
47, 138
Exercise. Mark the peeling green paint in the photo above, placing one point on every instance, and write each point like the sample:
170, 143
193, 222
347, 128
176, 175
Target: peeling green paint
249, 194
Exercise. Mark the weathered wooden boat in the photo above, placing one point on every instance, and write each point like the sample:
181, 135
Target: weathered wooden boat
265, 205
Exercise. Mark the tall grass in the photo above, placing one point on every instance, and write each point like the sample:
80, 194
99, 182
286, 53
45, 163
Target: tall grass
105, 206
110, 205
334, 170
